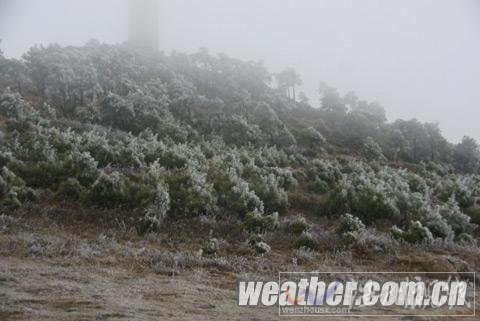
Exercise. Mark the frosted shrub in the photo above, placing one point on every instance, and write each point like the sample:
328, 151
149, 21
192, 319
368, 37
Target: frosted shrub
397, 233
418, 233
459, 221
156, 212
211, 246
318, 186
325, 170
12, 105
149, 111
117, 112
10, 178
154, 173
181, 155
5, 157
374, 195
25, 194
190, 193
109, 190
11, 200
311, 138
233, 192
371, 150
437, 224
241, 199
350, 223
237, 131
255, 222
13, 190
270, 156
32, 145
71, 189
365, 199
262, 248
415, 233
99, 147
297, 225
284, 177
416, 183
273, 196
306, 240
350, 227
463, 188
466, 239
3, 187
47, 111
273, 129
82, 166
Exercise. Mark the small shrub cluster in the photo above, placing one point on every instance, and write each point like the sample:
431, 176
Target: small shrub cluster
255, 222
13, 190
415, 233
297, 225
350, 228
306, 240
387, 195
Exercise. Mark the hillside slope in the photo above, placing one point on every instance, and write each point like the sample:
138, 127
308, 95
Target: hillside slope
177, 163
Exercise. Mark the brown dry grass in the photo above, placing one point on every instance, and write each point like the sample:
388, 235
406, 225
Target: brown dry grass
62, 262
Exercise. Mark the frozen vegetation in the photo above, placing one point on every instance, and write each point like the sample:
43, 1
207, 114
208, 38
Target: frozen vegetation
201, 135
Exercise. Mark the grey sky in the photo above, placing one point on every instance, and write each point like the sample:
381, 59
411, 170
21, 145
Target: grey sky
419, 58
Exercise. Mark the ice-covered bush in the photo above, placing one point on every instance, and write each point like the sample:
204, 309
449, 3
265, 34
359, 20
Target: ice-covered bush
275, 198
397, 233
71, 189
238, 131
297, 225
4, 187
374, 194
262, 248
11, 200
311, 138
155, 212
318, 186
190, 193
459, 221
463, 188
307, 240
12, 105
466, 239
234, 193
325, 170
255, 222
109, 190
415, 233
81, 166
349, 228
437, 224
349, 223
13, 190
117, 112
211, 246
371, 150
418, 233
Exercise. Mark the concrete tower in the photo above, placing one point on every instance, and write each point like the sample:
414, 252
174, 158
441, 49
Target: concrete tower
144, 23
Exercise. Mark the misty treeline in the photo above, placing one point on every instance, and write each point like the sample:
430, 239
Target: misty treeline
199, 134
223, 89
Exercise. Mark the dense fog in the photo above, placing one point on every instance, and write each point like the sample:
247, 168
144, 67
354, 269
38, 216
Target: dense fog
418, 58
